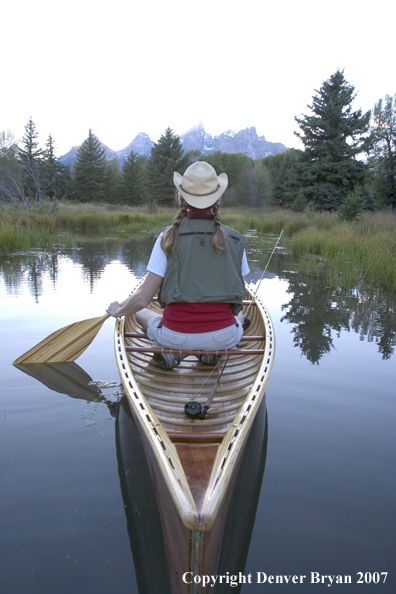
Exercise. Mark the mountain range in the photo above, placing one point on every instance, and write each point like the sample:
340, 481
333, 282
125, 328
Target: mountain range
245, 141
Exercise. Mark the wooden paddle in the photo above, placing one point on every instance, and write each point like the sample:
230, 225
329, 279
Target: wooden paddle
66, 344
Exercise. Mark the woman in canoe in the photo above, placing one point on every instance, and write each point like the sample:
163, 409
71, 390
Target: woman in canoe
197, 265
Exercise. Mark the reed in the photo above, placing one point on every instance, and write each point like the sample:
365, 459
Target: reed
22, 231
364, 249
97, 218
351, 252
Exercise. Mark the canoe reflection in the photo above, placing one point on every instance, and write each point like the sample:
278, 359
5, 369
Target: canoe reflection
142, 512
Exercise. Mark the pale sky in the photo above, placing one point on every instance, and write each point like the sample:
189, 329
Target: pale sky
129, 66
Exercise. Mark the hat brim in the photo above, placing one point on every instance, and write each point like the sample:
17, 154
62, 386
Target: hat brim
197, 201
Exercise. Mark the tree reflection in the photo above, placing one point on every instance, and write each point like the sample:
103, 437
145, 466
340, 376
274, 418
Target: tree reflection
30, 269
319, 311
374, 318
95, 255
316, 311
92, 255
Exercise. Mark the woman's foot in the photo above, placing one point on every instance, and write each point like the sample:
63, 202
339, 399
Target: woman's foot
246, 324
167, 360
209, 359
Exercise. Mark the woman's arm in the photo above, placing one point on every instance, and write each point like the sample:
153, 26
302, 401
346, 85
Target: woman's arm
139, 300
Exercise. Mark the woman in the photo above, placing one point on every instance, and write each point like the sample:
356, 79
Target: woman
197, 265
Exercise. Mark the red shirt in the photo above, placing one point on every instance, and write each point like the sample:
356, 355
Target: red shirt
191, 318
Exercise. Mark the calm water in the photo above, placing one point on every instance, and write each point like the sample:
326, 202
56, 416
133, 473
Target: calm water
323, 494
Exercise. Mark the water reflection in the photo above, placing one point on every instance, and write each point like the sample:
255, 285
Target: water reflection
92, 257
138, 492
318, 312
29, 270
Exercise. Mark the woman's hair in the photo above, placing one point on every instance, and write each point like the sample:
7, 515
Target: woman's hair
170, 240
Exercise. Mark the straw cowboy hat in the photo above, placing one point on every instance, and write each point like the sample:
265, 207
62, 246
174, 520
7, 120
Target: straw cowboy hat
200, 186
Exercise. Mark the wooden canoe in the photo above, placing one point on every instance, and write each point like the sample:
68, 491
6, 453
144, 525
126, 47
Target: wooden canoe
194, 463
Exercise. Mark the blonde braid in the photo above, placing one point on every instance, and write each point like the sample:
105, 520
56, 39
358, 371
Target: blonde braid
220, 237
170, 240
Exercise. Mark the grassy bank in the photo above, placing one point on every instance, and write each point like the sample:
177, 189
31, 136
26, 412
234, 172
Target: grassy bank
366, 249
363, 249
348, 252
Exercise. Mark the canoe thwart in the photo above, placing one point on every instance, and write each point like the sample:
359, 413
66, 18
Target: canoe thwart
151, 349
196, 437
145, 337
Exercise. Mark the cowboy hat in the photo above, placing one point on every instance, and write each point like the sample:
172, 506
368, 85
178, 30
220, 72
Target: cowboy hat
200, 186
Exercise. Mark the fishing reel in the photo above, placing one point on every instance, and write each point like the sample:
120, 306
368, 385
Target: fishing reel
195, 410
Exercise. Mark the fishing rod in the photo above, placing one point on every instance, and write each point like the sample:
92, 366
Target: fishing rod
195, 409
262, 276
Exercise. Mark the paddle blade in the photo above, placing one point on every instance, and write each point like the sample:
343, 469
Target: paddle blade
66, 344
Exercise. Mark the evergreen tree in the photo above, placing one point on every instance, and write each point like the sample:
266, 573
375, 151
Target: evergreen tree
280, 167
134, 172
167, 156
115, 191
56, 177
50, 167
30, 155
234, 165
255, 184
332, 137
382, 159
89, 170
352, 206
11, 170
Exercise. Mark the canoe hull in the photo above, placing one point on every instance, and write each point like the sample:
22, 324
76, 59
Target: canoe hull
194, 463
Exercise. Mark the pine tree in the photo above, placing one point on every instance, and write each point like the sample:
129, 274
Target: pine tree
382, 159
167, 156
50, 167
332, 137
352, 206
89, 170
280, 167
56, 177
115, 191
30, 155
134, 172
11, 170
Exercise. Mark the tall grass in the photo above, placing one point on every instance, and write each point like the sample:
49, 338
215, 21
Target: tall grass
22, 231
96, 218
362, 250
348, 251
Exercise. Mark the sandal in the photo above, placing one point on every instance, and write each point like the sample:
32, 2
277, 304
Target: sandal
209, 359
167, 360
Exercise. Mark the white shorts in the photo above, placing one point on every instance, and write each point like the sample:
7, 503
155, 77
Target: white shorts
203, 341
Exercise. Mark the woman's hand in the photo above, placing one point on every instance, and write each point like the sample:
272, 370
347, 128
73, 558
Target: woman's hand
138, 300
114, 309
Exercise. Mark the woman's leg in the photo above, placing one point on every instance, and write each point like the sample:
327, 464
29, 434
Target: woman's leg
144, 316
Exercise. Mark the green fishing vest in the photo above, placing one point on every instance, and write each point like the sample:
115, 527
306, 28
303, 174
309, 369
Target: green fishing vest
196, 273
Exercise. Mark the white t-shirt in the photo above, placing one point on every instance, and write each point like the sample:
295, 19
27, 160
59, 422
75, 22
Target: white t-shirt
158, 260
